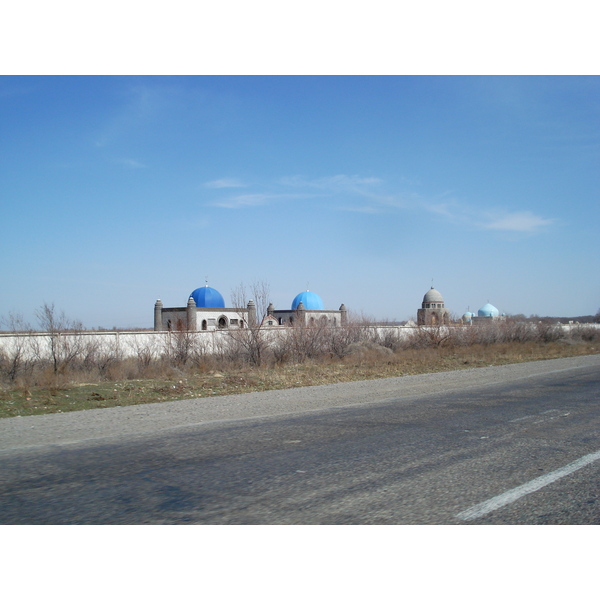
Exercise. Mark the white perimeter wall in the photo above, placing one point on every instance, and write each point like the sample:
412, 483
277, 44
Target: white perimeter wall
157, 343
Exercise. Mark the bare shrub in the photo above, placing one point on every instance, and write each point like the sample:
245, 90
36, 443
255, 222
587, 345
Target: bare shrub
182, 345
146, 351
306, 342
105, 358
427, 337
547, 332
64, 342
367, 350
388, 338
336, 340
585, 334
249, 345
16, 358
517, 331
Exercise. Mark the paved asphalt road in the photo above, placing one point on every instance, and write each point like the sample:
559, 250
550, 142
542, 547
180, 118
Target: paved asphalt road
525, 451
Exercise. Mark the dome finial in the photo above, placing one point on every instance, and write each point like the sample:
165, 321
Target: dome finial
206, 280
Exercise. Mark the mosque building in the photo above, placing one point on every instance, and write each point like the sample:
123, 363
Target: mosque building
308, 309
206, 311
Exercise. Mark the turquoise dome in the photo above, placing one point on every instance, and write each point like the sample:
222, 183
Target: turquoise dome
310, 300
488, 311
207, 297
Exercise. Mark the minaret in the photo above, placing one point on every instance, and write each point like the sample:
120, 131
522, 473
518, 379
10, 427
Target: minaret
344, 316
252, 314
158, 307
190, 313
301, 311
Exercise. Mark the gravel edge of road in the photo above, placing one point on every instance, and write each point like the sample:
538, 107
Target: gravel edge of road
103, 424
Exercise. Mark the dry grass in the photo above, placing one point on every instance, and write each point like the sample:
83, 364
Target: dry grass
128, 383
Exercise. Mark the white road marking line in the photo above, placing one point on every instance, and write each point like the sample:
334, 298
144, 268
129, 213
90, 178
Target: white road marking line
497, 502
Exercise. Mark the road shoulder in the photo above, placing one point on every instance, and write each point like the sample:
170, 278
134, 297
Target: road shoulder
104, 424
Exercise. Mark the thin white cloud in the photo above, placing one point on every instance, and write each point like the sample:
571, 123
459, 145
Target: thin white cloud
131, 163
498, 220
366, 195
224, 183
523, 222
333, 184
365, 209
243, 200
348, 186
249, 200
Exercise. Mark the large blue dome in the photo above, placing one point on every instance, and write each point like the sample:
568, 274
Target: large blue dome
310, 300
488, 310
207, 297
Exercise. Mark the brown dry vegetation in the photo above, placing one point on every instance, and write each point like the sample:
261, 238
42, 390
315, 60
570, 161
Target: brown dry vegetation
78, 376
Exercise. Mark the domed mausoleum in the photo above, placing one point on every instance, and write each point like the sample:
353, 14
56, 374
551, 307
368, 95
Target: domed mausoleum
433, 311
206, 311
308, 309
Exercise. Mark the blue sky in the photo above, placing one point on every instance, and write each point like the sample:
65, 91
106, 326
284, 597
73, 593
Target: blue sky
119, 190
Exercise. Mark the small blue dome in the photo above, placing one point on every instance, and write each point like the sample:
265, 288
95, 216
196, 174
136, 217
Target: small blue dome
488, 311
310, 300
207, 297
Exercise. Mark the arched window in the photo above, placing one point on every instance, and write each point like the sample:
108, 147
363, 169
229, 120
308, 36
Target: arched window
204, 325
222, 322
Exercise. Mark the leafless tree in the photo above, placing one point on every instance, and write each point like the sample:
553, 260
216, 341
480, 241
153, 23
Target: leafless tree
425, 337
258, 291
183, 345
16, 357
146, 351
307, 342
251, 341
65, 345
